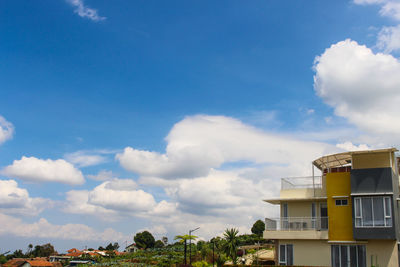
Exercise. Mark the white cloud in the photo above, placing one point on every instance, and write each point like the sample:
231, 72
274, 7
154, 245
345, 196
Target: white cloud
114, 199
389, 39
361, 86
349, 146
199, 143
40, 170
15, 200
122, 195
77, 202
84, 11
85, 158
43, 229
102, 175
6, 130
389, 8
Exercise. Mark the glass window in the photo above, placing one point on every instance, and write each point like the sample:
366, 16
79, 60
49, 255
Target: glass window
348, 255
282, 254
286, 254
372, 212
341, 202
289, 254
366, 209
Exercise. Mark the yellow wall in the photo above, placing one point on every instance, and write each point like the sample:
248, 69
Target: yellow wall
301, 208
309, 252
372, 160
340, 217
386, 250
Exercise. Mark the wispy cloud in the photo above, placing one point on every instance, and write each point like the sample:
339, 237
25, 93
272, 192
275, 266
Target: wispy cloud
84, 11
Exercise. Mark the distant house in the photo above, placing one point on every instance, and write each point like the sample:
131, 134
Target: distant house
36, 262
131, 248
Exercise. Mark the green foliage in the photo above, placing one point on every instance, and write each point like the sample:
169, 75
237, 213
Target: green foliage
258, 228
231, 245
159, 244
144, 240
200, 264
17, 254
182, 238
3, 259
111, 247
45, 250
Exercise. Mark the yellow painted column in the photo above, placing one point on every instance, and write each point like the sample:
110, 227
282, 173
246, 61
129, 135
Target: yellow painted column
340, 216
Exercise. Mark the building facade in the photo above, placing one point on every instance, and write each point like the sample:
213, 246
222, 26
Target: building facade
348, 216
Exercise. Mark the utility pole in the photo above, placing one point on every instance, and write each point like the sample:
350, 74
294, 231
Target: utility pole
190, 244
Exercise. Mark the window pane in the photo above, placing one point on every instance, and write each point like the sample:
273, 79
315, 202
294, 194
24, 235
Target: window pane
353, 256
343, 256
338, 202
361, 257
335, 256
388, 222
378, 211
358, 222
344, 202
388, 208
289, 252
367, 211
313, 210
358, 207
282, 254
285, 210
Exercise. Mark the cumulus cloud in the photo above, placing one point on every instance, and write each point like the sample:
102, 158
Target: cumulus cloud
115, 199
200, 143
40, 170
102, 175
6, 130
121, 195
16, 200
77, 202
44, 229
84, 158
361, 86
349, 146
84, 11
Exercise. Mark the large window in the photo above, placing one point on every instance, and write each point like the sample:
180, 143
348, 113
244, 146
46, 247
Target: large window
348, 256
372, 212
286, 254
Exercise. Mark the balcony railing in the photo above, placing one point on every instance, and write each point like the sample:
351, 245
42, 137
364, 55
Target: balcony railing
301, 182
296, 224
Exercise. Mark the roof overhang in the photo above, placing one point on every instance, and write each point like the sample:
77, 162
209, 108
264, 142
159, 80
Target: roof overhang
280, 200
344, 159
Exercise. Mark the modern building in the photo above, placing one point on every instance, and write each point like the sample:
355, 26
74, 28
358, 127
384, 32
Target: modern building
347, 216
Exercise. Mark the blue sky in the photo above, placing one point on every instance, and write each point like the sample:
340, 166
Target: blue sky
131, 115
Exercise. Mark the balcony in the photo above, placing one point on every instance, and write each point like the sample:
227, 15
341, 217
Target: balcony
296, 228
303, 187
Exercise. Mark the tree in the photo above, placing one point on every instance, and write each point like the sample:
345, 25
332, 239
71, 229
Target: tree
231, 245
159, 244
110, 247
101, 248
45, 250
258, 228
144, 240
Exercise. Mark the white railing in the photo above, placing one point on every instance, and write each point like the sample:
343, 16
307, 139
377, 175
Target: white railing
296, 224
301, 182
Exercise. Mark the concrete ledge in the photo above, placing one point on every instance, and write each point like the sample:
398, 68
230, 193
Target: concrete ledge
293, 235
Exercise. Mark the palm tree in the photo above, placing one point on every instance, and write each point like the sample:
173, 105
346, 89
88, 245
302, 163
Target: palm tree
231, 246
183, 238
